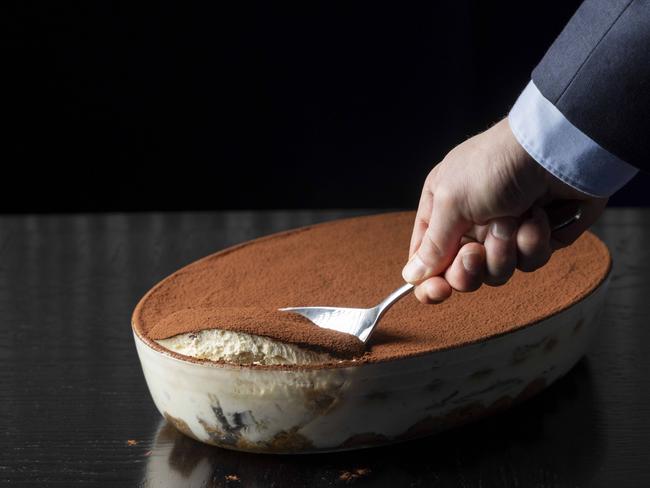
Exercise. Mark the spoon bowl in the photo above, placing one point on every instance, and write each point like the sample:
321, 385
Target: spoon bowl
359, 322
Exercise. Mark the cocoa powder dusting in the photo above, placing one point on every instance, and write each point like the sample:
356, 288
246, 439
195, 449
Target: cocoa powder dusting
356, 263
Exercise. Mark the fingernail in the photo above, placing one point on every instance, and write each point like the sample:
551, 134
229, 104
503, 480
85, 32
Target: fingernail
415, 270
472, 262
503, 229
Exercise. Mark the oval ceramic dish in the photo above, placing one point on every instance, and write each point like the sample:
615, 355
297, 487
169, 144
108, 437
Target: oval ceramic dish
303, 410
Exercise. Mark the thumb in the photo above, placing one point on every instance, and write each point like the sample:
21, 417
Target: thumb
440, 242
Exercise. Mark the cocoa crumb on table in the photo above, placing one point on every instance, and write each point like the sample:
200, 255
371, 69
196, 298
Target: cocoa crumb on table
354, 474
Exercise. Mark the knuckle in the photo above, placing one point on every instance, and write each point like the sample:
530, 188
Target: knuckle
533, 262
445, 196
528, 267
470, 286
430, 179
495, 281
499, 277
429, 251
424, 293
532, 242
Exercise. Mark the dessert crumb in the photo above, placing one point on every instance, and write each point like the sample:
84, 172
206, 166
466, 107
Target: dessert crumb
232, 477
131, 442
354, 474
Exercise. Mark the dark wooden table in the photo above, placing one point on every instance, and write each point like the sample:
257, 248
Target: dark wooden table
75, 410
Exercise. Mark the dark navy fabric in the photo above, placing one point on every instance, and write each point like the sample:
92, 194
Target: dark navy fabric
597, 73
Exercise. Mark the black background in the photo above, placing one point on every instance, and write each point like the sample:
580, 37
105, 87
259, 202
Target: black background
209, 105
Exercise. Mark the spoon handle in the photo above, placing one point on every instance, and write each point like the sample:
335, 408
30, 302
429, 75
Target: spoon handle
393, 297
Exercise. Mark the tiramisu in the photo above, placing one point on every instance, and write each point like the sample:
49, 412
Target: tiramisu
223, 308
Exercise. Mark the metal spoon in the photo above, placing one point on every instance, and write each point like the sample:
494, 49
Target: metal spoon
361, 322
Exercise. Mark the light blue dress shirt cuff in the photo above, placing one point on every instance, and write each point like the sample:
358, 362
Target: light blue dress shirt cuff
563, 149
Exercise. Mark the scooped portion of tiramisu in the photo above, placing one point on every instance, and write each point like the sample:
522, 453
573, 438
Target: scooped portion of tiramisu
239, 348
252, 335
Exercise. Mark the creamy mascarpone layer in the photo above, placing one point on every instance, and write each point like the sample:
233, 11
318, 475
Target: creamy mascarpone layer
240, 348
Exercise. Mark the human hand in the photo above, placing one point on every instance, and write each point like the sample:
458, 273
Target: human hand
480, 216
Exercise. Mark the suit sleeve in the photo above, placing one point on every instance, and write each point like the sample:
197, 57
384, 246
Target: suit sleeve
585, 116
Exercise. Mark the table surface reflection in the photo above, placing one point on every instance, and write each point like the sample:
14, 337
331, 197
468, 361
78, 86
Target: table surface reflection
75, 410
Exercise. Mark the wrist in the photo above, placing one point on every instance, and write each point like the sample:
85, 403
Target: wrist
523, 162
